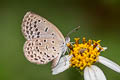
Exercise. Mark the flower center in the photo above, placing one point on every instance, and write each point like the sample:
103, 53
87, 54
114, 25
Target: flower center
85, 53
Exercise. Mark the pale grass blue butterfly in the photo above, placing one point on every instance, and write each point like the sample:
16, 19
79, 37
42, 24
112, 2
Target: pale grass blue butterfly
45, 42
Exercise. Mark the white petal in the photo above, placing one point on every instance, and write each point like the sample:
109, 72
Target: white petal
62, 65
104, 48
112, 65
89, 74
93, 73
98, 73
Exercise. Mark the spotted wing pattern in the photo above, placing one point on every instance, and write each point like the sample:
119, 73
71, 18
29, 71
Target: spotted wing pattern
42, 51
44, 41
35, 26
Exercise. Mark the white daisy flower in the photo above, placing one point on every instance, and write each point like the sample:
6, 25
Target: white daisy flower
83, 56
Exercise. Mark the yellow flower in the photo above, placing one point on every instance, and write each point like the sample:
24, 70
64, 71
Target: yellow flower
85, 53
83, 56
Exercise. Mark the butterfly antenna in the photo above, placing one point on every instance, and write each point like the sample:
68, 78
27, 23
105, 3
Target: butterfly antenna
74, 30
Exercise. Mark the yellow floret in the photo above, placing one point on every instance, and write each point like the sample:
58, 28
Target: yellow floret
84, 54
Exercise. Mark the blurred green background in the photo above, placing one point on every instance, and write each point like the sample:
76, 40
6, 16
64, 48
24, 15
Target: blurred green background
99, 20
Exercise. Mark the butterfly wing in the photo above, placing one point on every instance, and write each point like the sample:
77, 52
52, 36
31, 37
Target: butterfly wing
42, 51
35, 26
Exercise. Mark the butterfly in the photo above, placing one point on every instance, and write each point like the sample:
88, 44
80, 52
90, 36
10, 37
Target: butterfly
44, 41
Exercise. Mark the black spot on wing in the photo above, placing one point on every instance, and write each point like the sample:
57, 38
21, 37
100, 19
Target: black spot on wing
35, 59
35, 26
40, 52
46, 29
46, 48
35, 22
31, 56
53, 41
40, 44
53, 56
39, 20
38, 33
45, 40
36, 29
52, 34
39, 57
